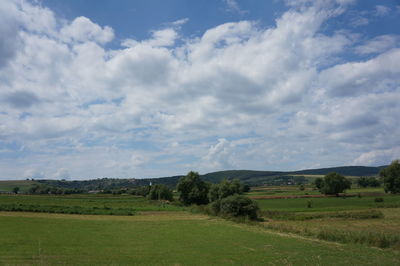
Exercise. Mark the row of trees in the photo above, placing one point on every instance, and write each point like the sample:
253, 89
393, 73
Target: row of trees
224, 199
335, 183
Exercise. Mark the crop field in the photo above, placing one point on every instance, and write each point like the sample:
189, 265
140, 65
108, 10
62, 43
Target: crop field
328, 203
56, 229
356, 219
84, 204
173, 238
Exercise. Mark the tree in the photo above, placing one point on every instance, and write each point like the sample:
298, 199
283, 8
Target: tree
16, 190
192, 189
160, 192
245, 188
391, 177
224, 189
368, 182
335, 183
318, 182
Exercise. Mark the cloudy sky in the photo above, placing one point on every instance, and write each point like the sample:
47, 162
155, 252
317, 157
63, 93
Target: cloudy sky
148, 88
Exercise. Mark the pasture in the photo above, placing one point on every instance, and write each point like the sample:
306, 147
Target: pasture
46, 230
172, 238
84, 204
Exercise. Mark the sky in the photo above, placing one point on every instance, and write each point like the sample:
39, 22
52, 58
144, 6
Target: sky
152, 88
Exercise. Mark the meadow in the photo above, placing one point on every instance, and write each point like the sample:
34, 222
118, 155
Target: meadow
127, 229
84, 204
356, 219
166, 238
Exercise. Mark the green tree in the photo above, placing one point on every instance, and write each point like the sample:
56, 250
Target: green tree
318, 182
224, 189
192, 190
245, 188
16, 190
160, 192
391, 177
335, 183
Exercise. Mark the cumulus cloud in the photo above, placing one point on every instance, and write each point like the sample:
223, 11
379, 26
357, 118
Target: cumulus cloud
62, 173
237, 96
83, 29
233, 6
378, 44
378, 157
220, 155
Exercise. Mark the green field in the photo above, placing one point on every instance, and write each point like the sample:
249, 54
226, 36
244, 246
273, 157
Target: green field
84, 204
24, 185
165, 239
328, 204
332, 231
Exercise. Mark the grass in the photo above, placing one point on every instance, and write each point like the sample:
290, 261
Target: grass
9, 185
84, 204
327, 204
168, 239
296, 216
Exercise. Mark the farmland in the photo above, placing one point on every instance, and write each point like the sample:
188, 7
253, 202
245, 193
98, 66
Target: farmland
165, 239
126, 229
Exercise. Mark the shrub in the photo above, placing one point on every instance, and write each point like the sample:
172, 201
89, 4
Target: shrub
378, 199
236, 206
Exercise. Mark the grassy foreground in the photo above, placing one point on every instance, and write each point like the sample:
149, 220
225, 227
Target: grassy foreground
165, 238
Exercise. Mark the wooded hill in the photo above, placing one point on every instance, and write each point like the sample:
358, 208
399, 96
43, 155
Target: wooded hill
252, 178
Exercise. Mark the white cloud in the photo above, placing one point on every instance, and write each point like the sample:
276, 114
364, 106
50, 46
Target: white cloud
62, 173
233, 6
378, 44
381, 10
282, 95
378, 157
220, 155
83, 29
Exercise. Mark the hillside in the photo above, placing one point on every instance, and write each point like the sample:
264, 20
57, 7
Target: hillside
252, 178
344, 170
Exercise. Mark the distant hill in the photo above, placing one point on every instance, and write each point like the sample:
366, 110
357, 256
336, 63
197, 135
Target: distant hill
344, 170
252, 178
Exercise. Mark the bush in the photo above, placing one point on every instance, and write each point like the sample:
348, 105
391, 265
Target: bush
236, 206
378, 199
160, 192
391, 177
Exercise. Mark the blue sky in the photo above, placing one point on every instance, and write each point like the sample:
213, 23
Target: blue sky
92, 89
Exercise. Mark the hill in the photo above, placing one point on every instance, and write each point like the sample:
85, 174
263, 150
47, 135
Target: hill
250, 177
344, 170
9, 185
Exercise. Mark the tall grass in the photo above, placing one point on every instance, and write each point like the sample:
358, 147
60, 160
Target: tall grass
292, 216
375, 239
67, 209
